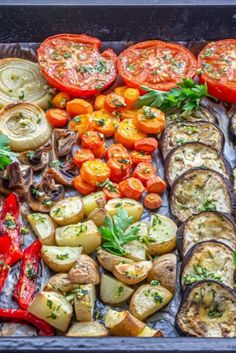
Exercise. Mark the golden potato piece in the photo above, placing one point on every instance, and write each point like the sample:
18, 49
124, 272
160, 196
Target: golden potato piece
112, 291
60, 259
85, 271
132, 273
68, 211
84, 300
109, 261
123, 323
87, 329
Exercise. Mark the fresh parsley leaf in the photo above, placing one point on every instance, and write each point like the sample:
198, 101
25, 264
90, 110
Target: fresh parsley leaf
187, 96
6, 156
234, 258
115, 234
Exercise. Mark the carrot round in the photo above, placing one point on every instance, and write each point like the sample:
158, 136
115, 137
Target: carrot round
149, 145
83, 187
57, 117
156, 184
99, 102
131, 96
79, 106
60, 99
152, 201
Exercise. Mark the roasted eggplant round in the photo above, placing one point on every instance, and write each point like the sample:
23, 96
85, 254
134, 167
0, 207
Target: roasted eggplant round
193, 155
208, 225
201, 189
208, 310
232, 128
201, 114
176, 134
208, 260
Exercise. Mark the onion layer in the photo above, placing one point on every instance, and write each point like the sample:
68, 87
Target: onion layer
25, 125
22, 80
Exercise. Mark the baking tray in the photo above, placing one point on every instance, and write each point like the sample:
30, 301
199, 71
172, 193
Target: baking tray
32, 21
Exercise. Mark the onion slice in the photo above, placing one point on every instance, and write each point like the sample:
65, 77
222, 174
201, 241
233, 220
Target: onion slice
25, 125
22, 80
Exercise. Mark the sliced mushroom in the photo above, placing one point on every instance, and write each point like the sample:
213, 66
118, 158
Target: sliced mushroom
62, 142
63, 172
42, 196
37, 159
16, 178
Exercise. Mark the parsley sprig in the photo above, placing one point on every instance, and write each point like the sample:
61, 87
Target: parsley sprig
6, 156
187, 96
115, 234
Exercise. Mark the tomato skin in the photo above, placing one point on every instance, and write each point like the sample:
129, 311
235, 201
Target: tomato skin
60, 100
127, 133
95, 172
148, 145
82, 156
138, 157
81, 124
92, 139
144, 171
117, 150
152, 201
57, 117
131, 188
112, 194
136, 79
83, 187
156, 184
76, 90
220, 86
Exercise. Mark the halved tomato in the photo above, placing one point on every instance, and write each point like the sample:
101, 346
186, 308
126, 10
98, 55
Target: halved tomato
217, 63
156, 64
73, 63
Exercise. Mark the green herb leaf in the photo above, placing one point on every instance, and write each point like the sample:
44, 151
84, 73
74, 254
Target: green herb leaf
187, 96
234, 258
6, 156
115, 234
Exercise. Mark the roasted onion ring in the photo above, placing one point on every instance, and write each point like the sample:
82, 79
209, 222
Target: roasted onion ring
25, 125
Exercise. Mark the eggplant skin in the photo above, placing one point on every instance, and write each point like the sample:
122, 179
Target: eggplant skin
207, 310
208, 260
232, 128
201, 114
205, 226
178, 133
179, 160
201, 189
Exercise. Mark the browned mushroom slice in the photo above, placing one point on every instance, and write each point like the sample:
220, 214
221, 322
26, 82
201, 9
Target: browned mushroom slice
16, 178
37, 159
62, 142
42, 196
63, 172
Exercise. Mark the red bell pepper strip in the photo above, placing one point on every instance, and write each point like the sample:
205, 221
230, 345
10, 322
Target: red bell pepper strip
19, 315
9, 255
10, 241
26, 285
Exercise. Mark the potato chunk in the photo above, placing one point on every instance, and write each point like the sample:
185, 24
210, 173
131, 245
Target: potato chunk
68, 211
123, 323
87, 329
112, 291
85, 271
84, 301
60, 259
132, 273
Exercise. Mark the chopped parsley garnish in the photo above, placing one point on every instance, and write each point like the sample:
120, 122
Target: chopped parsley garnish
6, 156
208, 205
77, 119
31, 274
21, 95
62, 256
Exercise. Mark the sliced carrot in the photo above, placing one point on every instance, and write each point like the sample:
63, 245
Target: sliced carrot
150, 120
95, 172
114, 102
119, 165
152, 201
131, 97
60, 100
100, 151
82, 156
138, 157
79, 106
120, 90
149, 145
99, 102
117, 150
156, 184
57, 117
118, 178
105, 123
83, 187
92, 139
81, 124
127, 133
111, 190
127, 114
144, 171
131, 188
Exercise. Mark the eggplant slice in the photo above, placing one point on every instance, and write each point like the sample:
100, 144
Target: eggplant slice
208, 225
232, 128
193, 155
208, 310
234, 173
176, 134
201, 189
208, 260
201, 114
